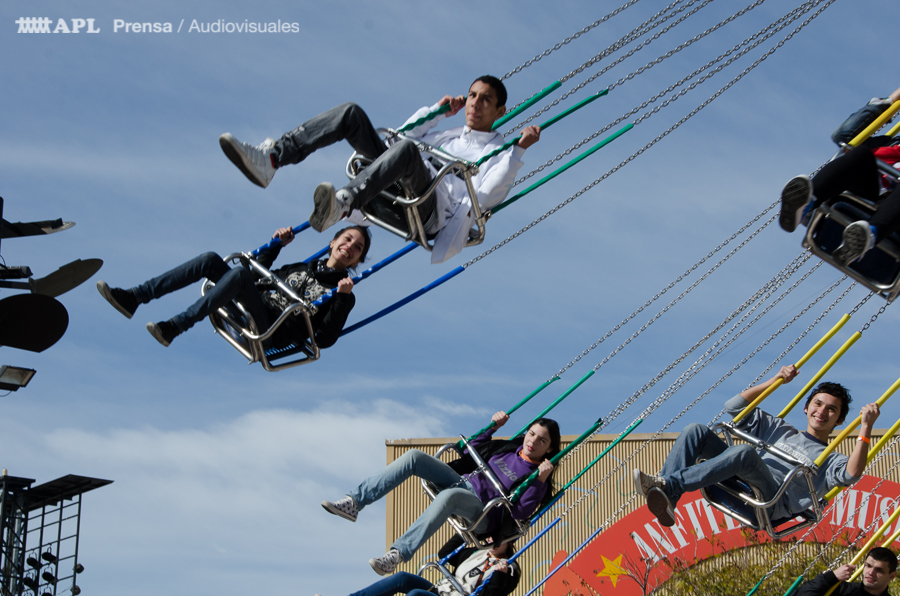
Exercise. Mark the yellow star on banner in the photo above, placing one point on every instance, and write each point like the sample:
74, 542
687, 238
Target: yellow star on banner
612, 569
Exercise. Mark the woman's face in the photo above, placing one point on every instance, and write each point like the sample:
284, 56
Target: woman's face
536, 443
346, 249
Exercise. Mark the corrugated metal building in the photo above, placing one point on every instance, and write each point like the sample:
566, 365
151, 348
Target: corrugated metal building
605, 506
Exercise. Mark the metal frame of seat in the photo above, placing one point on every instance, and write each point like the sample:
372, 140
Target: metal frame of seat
242, 332
465, 529
409, 203
887, 247
756, 501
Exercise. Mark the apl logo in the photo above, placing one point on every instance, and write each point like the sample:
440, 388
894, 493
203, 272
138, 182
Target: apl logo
42, 25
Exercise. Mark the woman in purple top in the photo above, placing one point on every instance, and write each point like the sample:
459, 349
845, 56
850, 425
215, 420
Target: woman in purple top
460, 495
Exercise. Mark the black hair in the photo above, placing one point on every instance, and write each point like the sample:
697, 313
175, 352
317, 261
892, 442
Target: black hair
885, 555
367, 240
495, 84
555, 438
836, 390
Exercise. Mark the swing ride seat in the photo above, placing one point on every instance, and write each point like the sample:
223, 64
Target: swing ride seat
446, 573
239, 329
400, 212
745, 503
512, 528
879, 269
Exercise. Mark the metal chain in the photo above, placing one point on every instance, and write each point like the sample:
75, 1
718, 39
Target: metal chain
786, 351
875, 316
624, 462
758, 298
567, 40
675, 282
650, 64
653, 142
827, 511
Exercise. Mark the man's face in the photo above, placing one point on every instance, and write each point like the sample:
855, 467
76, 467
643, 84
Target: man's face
876, 576
481, 107
822, 413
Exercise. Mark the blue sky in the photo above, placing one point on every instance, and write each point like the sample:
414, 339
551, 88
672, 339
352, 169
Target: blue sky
219, 467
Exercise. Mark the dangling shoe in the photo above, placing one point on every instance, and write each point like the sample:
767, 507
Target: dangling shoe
385, 564
329, 206
254, 161
660, 506
858, 238
122, 300
163, 332
346, 508
796, 203
643, 483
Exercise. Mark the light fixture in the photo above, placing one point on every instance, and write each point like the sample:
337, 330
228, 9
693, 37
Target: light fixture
79, 568
33, 562
76, 590
49, 577
30, 582
49, 557
14, 377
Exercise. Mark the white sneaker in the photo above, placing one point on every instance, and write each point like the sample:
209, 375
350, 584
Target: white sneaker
858, 238
385, 564
796, 203
329, 206
346, 508
644, 482
255, 162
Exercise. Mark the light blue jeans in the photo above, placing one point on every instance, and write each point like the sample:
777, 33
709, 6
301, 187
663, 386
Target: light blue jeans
682, 474
456, 496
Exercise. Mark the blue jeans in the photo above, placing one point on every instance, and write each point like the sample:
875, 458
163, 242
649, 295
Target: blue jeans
456, 496
231, 284
401, 582
682, 474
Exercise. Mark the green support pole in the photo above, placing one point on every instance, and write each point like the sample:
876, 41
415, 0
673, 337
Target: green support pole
562, 491
460, 444
554, 404
562, 169
554, 460
544, 126
425, 118
527, 104
793, 586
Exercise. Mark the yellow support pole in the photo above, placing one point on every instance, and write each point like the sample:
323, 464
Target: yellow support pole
818, 376
862, 552
879, 122
878, 446
894, 130
850, 427
778, 382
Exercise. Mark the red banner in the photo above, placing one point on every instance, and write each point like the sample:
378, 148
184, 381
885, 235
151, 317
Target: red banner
629, 558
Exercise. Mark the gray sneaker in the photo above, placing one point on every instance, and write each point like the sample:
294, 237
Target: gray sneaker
346, 508
644, 482
796, 199
661, 507
857, 240
385, 564
254, 161
330, 206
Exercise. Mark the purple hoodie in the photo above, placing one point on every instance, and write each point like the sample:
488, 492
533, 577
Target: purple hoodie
508, 468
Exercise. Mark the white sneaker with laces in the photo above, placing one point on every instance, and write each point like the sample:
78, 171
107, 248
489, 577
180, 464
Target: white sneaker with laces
346, 508
857, 239
329, 206
644, 482
385, 564
254, 161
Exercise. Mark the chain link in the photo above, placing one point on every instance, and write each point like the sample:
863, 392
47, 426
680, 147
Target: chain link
758, 298
654, 141
569, 39
875, 316
675, 282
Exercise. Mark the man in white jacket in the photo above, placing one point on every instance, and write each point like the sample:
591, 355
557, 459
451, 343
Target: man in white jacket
453, 217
